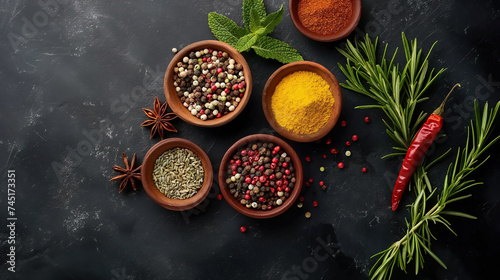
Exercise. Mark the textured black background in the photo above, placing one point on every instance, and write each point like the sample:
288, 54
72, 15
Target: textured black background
72, 92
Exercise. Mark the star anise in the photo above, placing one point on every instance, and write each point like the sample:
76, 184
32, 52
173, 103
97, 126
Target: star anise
159, 118
129, 173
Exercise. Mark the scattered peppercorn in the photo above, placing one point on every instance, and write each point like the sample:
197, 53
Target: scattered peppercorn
348, 143
334, 151
308, 158
363, 169
347, 153
322, 169
324, 156
355, 138
328, 141
340, 165
323, 187
299, 205
174, 50
321, 183
367, 120
243, 229
343, 123
315, 203
219, 196
308, 215
301, 198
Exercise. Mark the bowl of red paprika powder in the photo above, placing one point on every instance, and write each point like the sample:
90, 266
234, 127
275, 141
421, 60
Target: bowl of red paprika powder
325, 20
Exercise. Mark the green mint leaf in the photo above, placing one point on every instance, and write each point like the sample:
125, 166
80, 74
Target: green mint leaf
248, 5
271, 20
268, 47
224, 29
246, 42
254, 20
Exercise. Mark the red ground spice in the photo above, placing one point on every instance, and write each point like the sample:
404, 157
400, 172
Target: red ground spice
324, 16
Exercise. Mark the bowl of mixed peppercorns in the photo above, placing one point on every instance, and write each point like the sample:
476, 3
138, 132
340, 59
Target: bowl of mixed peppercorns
208, 83
260, 176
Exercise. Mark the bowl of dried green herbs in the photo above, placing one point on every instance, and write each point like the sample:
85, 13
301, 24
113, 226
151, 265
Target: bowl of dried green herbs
177, 174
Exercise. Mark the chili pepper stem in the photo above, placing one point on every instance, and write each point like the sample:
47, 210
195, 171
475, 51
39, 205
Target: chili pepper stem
439, 111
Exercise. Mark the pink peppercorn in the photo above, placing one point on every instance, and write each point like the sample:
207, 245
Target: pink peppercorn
355, 137
363, 169
315, 203
367, 119
243, 229
340, 165
343, 123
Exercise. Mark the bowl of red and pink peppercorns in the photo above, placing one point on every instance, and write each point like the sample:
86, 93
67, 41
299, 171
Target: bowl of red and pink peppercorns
208, 83
260, 176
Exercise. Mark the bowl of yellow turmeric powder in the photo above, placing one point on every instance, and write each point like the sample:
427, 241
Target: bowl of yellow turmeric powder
302, 101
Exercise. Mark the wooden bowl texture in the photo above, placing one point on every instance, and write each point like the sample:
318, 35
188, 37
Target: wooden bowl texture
155, 194
286, 70
342, 33
174, 101
254, 213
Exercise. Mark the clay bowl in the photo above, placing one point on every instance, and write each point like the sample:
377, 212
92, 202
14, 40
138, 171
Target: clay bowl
150, 187
176, 104
250, 212
346, 30
284, 71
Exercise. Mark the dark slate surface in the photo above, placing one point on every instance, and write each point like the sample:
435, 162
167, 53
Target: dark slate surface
75, 76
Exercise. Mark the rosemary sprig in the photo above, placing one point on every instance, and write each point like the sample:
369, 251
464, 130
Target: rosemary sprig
416, 243
396, 92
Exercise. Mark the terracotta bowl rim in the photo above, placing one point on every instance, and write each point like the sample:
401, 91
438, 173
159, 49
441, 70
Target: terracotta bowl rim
344, 32
253, 213
175, 103
151, 189
287, 69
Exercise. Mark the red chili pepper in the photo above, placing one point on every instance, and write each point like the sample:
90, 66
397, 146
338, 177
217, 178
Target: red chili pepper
417, 150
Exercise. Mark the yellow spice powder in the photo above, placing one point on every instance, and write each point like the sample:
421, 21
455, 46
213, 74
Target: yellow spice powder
302, 102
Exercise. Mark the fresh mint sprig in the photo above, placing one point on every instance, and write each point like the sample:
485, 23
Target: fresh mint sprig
258, 24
